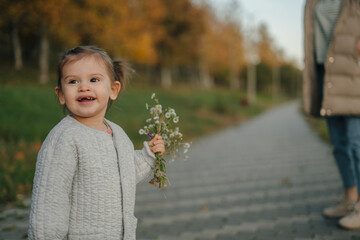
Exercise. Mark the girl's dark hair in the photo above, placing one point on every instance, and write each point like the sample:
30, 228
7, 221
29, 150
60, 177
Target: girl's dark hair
118, 70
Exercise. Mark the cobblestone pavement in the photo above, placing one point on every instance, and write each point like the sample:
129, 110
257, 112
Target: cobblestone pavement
269, 178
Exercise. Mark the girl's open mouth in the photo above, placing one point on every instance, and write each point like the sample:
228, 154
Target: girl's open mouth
85, 99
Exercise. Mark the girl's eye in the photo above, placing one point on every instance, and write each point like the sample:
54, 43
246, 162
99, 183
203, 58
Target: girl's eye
94, 80
73, 81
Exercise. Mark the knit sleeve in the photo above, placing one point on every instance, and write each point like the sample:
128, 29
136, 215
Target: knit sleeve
50, 208
144, 163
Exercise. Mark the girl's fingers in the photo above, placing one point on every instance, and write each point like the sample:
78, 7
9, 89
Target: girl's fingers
154, 139
157, 144
156, 149
157, 137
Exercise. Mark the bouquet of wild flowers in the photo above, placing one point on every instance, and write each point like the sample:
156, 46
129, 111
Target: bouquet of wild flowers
163, 122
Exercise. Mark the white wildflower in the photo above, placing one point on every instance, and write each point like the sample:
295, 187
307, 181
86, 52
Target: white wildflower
172, 111
158, 108
163, 121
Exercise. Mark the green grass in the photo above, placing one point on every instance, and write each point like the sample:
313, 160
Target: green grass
28, 113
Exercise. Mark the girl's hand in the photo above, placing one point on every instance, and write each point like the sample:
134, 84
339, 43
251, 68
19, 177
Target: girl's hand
157, 145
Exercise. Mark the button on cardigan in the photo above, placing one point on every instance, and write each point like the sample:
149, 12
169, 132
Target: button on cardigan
84, 184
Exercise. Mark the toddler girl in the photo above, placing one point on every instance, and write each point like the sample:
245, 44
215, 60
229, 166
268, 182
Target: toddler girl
87, 168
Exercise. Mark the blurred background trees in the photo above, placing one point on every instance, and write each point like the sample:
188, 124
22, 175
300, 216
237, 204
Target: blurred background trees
215, 66
178, 42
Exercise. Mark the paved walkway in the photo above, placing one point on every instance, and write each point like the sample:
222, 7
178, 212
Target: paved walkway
266, 179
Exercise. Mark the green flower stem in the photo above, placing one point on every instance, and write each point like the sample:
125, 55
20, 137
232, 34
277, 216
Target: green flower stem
159, 172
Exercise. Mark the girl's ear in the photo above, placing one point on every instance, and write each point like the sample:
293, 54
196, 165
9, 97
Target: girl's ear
115, 89
60, 95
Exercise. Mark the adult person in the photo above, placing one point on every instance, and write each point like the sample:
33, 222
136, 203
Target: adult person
331, 88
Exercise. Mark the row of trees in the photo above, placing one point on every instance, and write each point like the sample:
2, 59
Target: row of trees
160, 36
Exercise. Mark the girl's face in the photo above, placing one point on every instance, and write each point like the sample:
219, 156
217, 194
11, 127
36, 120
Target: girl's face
86, 88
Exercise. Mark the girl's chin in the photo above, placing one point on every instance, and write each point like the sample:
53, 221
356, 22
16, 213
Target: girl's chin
87, 116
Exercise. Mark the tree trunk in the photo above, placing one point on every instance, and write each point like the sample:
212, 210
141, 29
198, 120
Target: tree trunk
16, 47
191, 76
165, 77
251, 83
206, 80
44, 56
152, 75
234, 79
276, 81
234, 70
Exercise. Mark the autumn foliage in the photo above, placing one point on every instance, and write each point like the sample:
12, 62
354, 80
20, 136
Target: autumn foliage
172, 38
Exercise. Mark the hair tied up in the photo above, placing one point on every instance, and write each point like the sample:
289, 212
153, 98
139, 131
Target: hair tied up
122, 71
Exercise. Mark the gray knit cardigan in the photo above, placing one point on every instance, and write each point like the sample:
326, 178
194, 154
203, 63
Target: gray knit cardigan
84, 184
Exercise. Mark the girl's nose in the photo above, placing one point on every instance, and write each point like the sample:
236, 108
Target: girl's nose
84, 86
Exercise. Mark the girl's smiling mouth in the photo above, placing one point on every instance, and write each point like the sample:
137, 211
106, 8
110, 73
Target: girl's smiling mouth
85, 99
